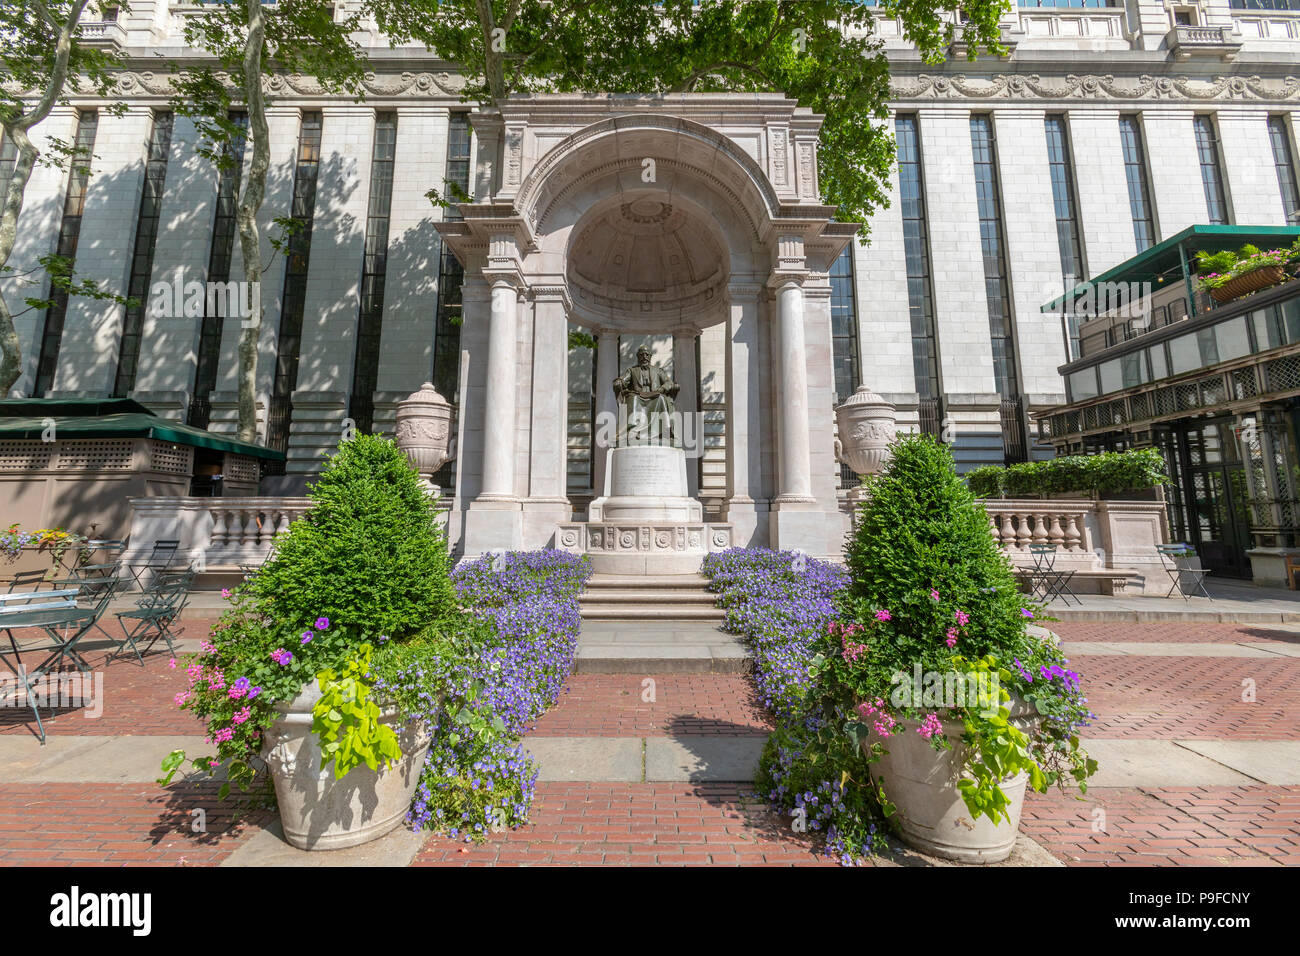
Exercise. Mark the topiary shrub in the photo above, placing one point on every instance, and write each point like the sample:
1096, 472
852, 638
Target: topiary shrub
369, 552
922, 531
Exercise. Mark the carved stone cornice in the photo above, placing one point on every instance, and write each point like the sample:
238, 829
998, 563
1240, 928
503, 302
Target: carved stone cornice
1094, 87
412, 85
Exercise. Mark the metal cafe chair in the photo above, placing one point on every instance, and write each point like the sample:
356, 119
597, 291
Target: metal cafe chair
21, 579
65, 623
1053, 583
1185, 580
159, 560
154, 614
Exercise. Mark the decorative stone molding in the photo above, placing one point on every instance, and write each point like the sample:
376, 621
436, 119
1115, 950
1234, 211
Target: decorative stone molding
411, 85
598, 537
926, 86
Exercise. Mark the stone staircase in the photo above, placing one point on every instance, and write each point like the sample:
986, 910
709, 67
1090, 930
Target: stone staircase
649, 597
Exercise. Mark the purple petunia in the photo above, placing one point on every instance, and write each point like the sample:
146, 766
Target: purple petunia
322, 623
281, 656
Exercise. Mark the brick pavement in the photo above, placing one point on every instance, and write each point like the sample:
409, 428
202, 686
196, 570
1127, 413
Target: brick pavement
120, 824
721, 823
1171, 826
660, 823
614, 705
1160, 697
1174, 633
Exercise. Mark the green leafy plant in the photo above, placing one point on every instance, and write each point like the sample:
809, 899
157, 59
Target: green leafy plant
1217, 269
930, 592
1109, 472
347, 718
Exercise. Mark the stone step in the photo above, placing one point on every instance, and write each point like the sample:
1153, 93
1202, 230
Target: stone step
647, 596
650, 612
670, 581
658, 646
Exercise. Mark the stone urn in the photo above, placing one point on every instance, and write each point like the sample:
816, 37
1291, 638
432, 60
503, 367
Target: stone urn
922, 783
321, 812
424, 430
867, 425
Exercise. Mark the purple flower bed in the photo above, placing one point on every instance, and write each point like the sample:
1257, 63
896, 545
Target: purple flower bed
477, 777
779, 602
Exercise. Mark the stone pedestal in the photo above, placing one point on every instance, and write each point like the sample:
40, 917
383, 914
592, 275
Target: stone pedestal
645, 483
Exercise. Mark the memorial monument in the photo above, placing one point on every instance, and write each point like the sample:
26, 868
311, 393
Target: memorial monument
645, 473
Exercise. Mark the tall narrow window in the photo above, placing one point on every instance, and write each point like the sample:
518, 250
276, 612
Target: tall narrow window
446, 343
451, 279
146, 238
844, 338
220, 255
1139, 188
295, 282
997, 291
1068, 242
916, 251
8, 160
374, 266
1207, 151
74, 203
1283, 159
844, 326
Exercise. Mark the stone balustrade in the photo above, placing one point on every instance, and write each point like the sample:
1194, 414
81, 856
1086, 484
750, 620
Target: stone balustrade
214, 533
1069, 525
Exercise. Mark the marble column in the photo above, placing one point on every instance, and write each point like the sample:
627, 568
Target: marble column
548, 504
687, 376
792, 376
499, 399
606, 424
745, 497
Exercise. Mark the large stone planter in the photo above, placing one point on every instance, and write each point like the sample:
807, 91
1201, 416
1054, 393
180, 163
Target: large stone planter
922, 783
319, 812
867, 425
424, 430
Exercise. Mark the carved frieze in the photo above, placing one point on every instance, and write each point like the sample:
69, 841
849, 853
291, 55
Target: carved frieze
1016, 86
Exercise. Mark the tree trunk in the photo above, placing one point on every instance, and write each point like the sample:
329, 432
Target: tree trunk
11, 354
246, 220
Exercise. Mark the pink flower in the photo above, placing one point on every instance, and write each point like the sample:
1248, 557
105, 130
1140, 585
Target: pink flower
281, 656
181, 698
172, 663
962, 618
223, 735
934, 595
225, 592
930, 726
951, 637
882, 615
242, 715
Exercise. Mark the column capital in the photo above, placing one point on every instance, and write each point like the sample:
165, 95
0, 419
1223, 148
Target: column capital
782, 278
551, 293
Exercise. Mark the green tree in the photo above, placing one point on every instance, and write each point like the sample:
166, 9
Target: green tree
369, 555
249, 41
41, 62
820, 52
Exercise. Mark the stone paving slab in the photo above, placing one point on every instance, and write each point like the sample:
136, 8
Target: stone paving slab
105, 759
700, 759
268, 848
605, 759
1159, 763
1275, 762
1189, 649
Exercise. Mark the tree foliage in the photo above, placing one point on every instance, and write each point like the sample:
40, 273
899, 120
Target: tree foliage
41, 64
819, 52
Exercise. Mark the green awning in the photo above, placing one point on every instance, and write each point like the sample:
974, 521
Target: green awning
112, 418
1163, 262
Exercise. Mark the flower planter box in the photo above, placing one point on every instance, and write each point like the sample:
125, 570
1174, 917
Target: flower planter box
320, 812
922, 783
1250, 282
